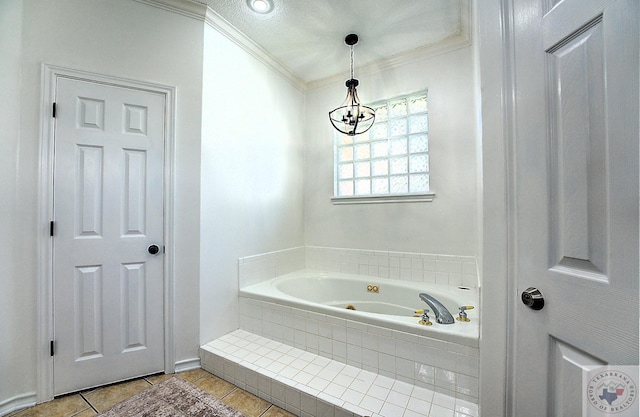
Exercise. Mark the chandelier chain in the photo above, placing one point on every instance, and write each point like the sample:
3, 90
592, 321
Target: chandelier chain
351, 60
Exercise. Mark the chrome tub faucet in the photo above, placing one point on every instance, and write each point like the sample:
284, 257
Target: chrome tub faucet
443, 316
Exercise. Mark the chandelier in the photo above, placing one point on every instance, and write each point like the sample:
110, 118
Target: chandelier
352, 118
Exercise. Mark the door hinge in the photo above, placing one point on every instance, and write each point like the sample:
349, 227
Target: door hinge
53, 112
51, 344
51, 226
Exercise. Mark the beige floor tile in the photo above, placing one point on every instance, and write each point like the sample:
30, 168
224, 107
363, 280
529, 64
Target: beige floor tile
274, 411
156, 379
66, 406
214, 386
86, 413
193, 375
106, 397
246, 403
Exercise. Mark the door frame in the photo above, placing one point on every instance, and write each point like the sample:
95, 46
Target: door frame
50, 73
495, 31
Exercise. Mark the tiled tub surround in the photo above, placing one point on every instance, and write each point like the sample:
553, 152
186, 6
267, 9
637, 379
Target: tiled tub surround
422, 267
432, 362
310, 385
257, 268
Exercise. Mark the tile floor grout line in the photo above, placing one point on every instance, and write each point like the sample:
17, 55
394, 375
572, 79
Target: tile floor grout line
89, 403
228, 393
265, 411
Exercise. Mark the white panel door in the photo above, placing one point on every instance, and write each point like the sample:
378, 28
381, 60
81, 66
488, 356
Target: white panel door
108, 210
576, 184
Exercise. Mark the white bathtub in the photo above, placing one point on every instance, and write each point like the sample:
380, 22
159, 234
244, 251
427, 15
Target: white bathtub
392, 307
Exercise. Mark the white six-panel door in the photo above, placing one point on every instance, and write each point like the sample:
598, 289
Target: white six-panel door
576, 197
108, 211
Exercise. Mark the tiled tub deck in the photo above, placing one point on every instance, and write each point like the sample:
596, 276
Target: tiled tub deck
309, 385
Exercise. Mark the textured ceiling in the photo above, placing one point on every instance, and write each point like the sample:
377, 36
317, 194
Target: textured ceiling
307, 36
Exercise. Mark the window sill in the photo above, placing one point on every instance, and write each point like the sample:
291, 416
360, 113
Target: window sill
390, 198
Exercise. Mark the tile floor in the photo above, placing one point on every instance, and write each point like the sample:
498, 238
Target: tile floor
96, 401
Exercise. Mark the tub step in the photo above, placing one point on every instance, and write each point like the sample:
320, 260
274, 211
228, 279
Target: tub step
309, 385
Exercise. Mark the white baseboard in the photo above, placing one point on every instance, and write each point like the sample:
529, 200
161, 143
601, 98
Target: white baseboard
187, 365
18, 402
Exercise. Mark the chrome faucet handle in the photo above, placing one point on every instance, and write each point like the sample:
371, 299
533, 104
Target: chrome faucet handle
424, 318
462, 316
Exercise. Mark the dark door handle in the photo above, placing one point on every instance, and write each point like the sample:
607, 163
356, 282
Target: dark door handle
153, 249
532, 298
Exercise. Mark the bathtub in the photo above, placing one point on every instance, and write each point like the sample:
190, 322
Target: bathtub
392, 306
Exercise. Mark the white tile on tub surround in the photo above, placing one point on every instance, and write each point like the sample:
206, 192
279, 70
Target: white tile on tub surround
410, 266
406, 262
349, 391
443, 400
314, 331
442, 278
257, 268
445, 379
466, 408
469, 267
467, 385
429, 277
394, 260
470, 281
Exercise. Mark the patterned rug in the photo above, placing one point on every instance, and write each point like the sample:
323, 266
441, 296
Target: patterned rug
174, 397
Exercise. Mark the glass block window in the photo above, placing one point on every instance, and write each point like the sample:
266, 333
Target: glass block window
392, 158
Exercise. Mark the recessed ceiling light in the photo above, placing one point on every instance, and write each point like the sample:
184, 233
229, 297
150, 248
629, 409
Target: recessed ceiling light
260, 6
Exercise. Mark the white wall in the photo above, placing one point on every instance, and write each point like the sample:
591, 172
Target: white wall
17, 270
447, 225
116, 37
252, 173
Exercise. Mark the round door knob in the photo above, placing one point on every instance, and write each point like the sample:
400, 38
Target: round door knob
532, 298
153, 249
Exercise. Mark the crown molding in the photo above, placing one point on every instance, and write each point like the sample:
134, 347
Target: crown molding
185, 8
204, 13
218, 23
